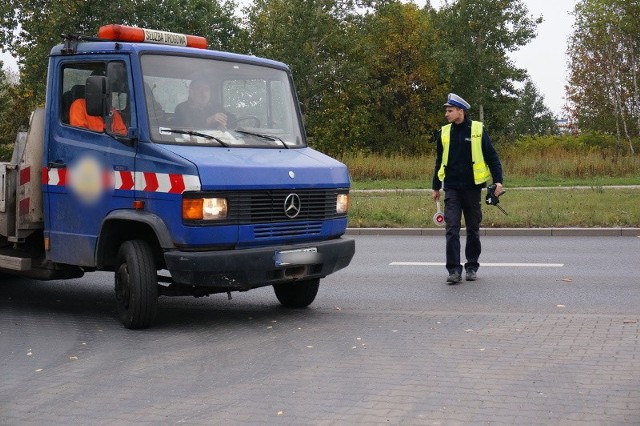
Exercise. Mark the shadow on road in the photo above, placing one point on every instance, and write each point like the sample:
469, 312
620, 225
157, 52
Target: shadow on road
84, 301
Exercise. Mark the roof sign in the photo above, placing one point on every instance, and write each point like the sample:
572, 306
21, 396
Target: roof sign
117, 32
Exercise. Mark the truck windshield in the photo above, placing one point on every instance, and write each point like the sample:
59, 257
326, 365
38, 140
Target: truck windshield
219, 103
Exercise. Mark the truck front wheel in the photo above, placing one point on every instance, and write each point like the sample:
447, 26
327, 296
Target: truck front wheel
299, 294
136, 284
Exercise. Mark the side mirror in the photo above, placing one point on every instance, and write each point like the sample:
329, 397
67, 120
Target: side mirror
98, 96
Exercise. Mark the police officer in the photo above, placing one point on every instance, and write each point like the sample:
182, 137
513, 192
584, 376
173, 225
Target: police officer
465, 161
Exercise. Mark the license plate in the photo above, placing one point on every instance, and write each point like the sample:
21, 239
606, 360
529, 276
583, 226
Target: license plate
303, 256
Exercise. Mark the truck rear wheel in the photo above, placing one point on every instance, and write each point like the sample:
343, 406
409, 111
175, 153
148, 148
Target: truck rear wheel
299, 294
136, 284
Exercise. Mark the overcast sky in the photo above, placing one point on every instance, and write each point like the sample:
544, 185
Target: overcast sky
544, 58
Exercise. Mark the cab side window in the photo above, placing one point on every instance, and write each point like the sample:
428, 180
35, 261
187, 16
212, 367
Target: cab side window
74, 78
73, 104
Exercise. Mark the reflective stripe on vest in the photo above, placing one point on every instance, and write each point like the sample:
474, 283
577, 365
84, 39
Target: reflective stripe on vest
481, 173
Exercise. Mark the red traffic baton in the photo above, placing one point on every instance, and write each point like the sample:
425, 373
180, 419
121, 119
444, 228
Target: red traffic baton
438, 218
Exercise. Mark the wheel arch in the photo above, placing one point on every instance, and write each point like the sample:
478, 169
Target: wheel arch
123, 225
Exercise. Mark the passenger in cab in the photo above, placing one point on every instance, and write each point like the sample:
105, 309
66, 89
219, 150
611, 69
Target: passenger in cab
78, 117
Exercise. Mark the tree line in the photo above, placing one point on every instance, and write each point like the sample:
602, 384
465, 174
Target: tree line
604, 59
371, 75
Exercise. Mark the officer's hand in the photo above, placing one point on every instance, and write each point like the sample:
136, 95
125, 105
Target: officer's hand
435, 195
498, 191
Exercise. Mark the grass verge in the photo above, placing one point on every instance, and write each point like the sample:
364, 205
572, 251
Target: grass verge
591, 207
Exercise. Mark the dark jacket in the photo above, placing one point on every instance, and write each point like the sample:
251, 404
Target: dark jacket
187, 116
459, 172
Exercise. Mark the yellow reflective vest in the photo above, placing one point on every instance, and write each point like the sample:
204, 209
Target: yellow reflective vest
481, 173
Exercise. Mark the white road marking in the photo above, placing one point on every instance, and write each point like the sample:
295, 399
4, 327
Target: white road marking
508, 265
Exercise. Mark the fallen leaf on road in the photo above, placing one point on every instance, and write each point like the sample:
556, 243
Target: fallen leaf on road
567, 280
73, 358
629, 321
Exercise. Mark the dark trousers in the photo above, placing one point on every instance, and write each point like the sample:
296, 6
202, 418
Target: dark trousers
456, 203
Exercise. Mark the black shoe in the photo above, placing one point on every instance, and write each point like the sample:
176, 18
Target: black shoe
454, 278
471, 275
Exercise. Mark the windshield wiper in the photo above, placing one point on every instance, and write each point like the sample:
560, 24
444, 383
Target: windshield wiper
268, 137
196, 133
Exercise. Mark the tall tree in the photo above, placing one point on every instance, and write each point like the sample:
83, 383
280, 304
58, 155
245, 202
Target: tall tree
478, 36
5, 104
4, 85
12, 109
320, 41
29, 28
604, 59
531, 116
367, 73
404, 69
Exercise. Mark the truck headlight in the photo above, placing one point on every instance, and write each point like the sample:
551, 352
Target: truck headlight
204, 208
342, 204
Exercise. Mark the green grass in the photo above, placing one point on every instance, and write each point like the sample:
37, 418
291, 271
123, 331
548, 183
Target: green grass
537, 208
552, 167
596, 204
537, 182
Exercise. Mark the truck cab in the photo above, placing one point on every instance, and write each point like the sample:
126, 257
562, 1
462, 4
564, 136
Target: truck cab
185, 171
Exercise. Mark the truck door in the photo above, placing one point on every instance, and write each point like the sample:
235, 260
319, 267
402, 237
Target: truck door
88, 169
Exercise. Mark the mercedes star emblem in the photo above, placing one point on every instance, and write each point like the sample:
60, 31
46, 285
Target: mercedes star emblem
292, 206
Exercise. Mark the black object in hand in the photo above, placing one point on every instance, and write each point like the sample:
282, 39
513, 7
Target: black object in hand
492, 198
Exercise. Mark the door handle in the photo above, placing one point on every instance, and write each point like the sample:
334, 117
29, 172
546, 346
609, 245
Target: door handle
58, 164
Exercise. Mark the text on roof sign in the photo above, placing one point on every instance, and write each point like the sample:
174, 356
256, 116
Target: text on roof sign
164, 37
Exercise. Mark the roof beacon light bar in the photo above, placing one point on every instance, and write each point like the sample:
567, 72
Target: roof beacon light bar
117, 32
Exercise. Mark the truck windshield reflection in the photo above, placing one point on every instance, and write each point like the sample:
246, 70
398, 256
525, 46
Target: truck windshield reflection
221, 103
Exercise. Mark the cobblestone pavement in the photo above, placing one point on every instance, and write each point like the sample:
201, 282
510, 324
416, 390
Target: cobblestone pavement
363, 353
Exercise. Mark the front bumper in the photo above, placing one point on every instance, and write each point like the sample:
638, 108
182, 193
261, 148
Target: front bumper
250, 268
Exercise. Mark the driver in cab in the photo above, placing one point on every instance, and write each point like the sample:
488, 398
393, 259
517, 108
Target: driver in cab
200, 110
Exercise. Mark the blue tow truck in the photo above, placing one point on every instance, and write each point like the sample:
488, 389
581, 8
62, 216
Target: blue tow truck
123, 170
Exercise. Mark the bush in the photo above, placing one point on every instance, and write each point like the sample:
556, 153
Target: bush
530, 159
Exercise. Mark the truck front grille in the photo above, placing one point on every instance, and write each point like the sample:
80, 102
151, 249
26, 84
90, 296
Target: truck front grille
284, 230
269, 206
266, 210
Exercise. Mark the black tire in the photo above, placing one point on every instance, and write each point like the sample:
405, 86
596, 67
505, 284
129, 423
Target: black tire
136, 285
299, 294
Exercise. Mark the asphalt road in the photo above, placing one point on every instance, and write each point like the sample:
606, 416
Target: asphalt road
549, 334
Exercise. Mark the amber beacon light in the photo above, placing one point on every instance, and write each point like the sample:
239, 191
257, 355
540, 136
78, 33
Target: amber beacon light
117, 32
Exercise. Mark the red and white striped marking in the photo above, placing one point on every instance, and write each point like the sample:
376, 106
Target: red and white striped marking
55, 177
24, 203
168, 183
